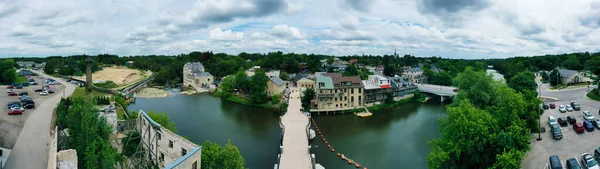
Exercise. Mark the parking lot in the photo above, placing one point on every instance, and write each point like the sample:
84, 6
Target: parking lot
572, 145
11, 125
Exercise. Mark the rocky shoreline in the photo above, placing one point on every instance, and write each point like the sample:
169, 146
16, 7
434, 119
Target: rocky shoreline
150, 92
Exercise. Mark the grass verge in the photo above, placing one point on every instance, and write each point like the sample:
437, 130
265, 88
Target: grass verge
21, 79
594, 95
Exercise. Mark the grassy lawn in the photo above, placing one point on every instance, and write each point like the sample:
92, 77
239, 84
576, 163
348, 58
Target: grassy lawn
80, 92
21, 79
594, 95
558, 87
581, 84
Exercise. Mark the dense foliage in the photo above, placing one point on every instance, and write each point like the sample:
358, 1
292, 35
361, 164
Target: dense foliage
88, 134
215, 156
8, 74
102, 100
488, 124
131, 143
307, 96
107, 84
163, 119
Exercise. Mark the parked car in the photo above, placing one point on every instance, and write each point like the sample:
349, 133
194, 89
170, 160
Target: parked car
10, 90
15, 84
552, 106
38, 90
10, 87
588, 125
14, 111
25, 84
31, 79
18, 87
575, 106
562, 121
597, 153
545, 106
569, 108
12, 94
33, 83
572, 164
571, 119
23, 94
50, 91
562, 108
556, 132
29, 106
588, 115
552, 120
588, 161
555, 162
12, 104
44, 93
578, 127
596, 123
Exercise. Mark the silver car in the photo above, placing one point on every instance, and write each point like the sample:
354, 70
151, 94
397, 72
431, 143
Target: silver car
562, 108
587, 115
569, 108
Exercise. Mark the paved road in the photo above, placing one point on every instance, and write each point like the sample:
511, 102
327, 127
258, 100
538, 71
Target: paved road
31, 149
295, 140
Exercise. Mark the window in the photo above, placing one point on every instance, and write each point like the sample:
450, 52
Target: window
162, 157
345, 98
352, 91
336, 105
336, 99
195, 165
359, 98
352, 99
158, 136
359, 90
183, 152
170, 144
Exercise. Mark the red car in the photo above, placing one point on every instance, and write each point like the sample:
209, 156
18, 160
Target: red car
14, 112
578, 127
12, 94
10, 87
455, 90
552, 106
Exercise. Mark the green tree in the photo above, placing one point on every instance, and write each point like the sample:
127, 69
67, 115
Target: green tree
215, 156
523, 81
510, 159
554, 78
443, 78
241, 81
258, 84
572, 63
307, 96
163, 119
9, 76
284, 76
330, 61
228, 84
351, 70
275, 99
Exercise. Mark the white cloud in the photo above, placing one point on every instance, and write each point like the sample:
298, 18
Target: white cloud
227, 35
466, 29
286, 31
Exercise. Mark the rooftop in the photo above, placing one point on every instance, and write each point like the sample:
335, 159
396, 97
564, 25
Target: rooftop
566, 72
193, 65
415, 69
347, 81
326, 81
277, 81
332, 74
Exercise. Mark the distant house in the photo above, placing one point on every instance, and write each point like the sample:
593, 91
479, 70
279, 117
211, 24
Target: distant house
353, 61
129, 63
303, 80
376, 89
401, 87
25, 64
25, 73
569, 77
415, 75
250, 72
275, 86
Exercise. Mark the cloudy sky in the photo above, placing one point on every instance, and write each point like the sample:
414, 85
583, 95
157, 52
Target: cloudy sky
446, 28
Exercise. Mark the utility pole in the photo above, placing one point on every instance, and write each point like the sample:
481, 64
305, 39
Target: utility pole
540, 123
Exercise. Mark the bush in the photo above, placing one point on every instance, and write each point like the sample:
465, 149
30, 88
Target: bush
108, 84
130, 143
276, 99
102, 100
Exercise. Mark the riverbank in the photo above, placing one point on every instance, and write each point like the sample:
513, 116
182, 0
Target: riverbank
192, 91
151, 92
416, 98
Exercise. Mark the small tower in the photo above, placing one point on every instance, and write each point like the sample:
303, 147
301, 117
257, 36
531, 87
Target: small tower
88, 72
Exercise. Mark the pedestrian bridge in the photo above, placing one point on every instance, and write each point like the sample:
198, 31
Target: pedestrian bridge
443, 91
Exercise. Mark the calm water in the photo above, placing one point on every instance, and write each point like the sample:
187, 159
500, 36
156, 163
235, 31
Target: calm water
395, 138
495, 74
202, 117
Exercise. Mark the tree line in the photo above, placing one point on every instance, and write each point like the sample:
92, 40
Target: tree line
8, 74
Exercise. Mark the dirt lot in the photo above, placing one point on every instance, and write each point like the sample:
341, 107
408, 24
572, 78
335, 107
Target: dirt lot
10, 126
572, 145
118, 74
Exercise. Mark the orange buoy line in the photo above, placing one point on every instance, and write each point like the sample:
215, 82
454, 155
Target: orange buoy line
350, 161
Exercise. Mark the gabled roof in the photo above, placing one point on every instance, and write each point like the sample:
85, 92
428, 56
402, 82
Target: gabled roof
339, 82
566, 72
300, 76
277, 81
326, 81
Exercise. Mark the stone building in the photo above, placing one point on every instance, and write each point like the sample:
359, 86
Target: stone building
376, 89
569, 77
166, 148
337, 92
415, 75
401, 87
303, 80
194, 76
275, 86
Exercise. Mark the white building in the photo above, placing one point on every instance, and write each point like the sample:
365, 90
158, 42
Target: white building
376, 89
415, 75
194, 76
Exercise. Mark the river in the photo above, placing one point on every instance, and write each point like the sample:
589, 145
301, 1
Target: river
394, 138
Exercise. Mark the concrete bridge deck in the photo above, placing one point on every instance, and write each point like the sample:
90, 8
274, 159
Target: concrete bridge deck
437, 89
295, 154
